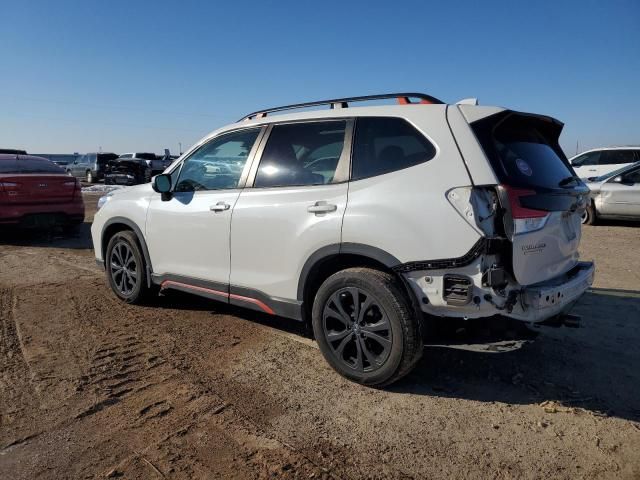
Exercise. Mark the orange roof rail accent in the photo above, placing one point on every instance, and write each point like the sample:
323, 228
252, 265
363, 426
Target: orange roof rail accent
407, 101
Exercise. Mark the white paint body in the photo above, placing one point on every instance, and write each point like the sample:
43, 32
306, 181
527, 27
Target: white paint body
264, 239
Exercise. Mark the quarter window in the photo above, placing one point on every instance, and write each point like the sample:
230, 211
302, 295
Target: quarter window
301, 154
384, 145
217, 164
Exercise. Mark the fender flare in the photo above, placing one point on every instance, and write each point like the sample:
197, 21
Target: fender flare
134, 227
346, 248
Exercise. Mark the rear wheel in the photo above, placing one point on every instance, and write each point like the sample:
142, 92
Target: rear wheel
589, 216
125, 268
366, 327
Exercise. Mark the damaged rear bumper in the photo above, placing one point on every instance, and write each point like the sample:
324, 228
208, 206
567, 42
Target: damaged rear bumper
546, 300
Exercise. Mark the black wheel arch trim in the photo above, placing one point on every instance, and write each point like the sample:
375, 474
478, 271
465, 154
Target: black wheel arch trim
345, 248
483, 245
143, 244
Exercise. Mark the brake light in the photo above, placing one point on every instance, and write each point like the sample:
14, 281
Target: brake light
76, 186
525, 219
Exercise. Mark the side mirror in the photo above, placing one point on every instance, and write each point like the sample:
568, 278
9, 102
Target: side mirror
618, 179
162, 184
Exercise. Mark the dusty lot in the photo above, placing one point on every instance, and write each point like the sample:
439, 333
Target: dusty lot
92, 388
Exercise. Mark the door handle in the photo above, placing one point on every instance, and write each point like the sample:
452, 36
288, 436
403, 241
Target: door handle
220, 207
322, 207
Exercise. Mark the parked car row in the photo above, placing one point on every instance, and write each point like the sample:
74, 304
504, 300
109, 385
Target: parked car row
126, 169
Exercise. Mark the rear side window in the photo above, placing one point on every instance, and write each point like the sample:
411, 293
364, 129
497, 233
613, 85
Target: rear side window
617, 157
301, 154
383, 145
29, 165
524, 150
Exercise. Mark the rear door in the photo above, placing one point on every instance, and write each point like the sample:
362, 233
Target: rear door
541, 197
293, 208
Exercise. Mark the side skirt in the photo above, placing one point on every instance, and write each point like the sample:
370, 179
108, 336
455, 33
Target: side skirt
234, 295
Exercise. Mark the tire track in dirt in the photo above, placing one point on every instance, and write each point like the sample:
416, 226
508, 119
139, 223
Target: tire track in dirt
15, 372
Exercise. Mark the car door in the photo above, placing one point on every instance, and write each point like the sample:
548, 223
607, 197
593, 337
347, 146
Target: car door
587, 165
188, 233
621, 198
292, 206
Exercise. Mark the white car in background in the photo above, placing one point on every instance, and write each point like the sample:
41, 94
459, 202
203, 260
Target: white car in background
601, 161
359, 221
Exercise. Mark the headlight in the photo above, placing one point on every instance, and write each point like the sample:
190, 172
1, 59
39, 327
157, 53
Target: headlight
104, 199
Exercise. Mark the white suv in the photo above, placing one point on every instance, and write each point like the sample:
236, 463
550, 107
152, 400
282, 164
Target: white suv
360, 221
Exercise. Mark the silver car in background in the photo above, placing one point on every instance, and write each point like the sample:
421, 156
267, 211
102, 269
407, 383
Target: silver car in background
615, 195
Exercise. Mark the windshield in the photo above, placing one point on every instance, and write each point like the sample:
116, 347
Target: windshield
29, 165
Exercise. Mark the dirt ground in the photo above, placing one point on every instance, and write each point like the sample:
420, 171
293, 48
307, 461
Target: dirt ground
187, 388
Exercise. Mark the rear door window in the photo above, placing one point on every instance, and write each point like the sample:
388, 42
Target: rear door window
383, 145
617, 157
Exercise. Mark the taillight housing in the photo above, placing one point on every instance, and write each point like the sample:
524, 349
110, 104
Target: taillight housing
525, 220
77, 188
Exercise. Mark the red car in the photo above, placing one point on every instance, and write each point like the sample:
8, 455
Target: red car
35, 192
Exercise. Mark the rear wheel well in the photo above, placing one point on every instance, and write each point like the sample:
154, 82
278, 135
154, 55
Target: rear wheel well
327, 266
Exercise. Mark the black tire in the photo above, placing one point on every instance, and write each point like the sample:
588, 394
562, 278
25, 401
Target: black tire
89, 177
129, 283
357, 350
589, 216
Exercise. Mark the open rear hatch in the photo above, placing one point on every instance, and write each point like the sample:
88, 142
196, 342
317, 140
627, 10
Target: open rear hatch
540, 195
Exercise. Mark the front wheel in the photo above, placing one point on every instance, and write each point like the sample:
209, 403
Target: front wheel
125, 268
366, 327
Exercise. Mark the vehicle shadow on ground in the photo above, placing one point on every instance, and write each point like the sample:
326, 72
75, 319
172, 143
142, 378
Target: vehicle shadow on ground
77, 238
595, 367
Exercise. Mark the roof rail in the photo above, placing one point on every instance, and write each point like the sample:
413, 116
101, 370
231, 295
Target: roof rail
402, 98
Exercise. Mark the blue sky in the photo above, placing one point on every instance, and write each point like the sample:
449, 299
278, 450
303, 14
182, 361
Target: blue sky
145, 75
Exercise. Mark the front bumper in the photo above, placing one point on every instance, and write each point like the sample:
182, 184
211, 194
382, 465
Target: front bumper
544, 301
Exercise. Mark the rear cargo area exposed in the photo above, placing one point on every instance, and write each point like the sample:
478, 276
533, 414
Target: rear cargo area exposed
540, 197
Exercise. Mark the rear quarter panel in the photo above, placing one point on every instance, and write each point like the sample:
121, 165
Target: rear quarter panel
406, 212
